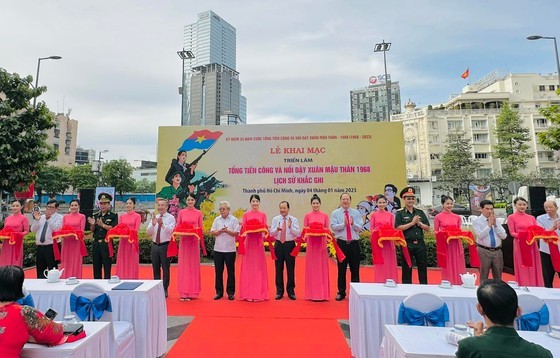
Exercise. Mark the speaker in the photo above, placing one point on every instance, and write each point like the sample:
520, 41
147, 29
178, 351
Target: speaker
536, 199
87, 200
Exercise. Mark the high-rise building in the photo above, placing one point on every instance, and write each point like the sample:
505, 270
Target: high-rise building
211, 81
84, 156
63, 137
369, 104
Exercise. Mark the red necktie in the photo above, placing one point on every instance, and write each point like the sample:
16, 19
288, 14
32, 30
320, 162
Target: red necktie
158, 234
283, 232
348, 230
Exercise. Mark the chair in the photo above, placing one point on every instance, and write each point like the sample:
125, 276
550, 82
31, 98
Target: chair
471, 219
27, 299
464, 221
423, 309
500, 221
91, 303
534, 314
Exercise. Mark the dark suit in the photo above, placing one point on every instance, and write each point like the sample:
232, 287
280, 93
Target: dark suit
498, 342
100, 252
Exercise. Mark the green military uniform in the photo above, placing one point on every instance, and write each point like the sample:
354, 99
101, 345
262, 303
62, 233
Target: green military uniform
414, 237
100, 253
498, 342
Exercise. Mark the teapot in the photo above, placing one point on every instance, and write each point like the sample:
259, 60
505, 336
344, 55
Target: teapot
468, 279
53, 275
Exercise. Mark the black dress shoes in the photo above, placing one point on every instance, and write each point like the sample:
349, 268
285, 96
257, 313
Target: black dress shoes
292, 297
340, 296
230, 297
278, 297
218, 296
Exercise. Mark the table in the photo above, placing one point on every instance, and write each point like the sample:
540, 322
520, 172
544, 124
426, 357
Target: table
95, 344
144, 307
426, 342
372, 305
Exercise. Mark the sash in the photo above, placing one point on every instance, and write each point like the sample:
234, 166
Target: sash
526, 239
532, 321
14, 238
412, 317
552, 239
251, 227
453, 233
90, 310
317, 230
122, 231
388, 233
185, 229
68, 232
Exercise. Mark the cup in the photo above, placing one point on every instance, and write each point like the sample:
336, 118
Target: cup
461, 329
72, 279
390, 282
513, 284
68, 319
114, 279
555, 329
445, 283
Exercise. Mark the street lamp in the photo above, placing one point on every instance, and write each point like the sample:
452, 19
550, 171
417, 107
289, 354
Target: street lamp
37, 77
99, 164
537, 37
184, 55
384, 47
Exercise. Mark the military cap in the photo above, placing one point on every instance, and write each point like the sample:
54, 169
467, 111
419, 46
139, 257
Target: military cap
407, 191
104, 198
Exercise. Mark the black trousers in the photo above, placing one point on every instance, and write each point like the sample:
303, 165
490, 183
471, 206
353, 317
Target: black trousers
352, 251
160, 262
282, 251
44, 260
101, 259
417, 253
227, 258
547, 269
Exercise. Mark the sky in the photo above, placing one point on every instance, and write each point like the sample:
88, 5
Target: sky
298, 59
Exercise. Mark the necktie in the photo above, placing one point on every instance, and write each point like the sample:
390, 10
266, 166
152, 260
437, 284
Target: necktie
158, 234
283, 232
492, 237
44, 232
348, 230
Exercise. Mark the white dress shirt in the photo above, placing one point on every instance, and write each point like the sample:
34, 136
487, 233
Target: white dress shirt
291, 232
339, 227
224, 241
482, 231
546, 222
53, 224
166, 228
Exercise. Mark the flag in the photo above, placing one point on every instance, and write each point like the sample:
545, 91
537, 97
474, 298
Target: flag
203, 139
465, 74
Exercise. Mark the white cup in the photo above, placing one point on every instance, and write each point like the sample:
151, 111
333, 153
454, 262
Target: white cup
390, 282
71, 279
555, 329
513, 284
445, 283
69, 319
461, 329
114, 279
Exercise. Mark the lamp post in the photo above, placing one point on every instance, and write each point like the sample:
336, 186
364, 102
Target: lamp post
37, 77
537, 37
184, 55
99, 165
384, 47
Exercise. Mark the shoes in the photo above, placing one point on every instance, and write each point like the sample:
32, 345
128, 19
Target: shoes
218, 296
230, 297
278, 297
292, 296
184, 299
340, 296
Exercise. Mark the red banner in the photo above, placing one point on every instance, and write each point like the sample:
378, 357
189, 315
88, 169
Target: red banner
388, 233
317, 230
444, 237
122, 231
254, 226
185, 229
15, 238
68, 232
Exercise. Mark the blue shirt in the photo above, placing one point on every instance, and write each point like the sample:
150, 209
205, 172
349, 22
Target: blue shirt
338, 226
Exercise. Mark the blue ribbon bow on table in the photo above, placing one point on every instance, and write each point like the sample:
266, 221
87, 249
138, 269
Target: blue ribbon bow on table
532, 321
26, 301
413, 317
88, 309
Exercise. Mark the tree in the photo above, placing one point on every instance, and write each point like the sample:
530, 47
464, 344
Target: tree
82, 177
512, 145
24, 132
52, 180
458, 165
145, 186
118, 173
551, 137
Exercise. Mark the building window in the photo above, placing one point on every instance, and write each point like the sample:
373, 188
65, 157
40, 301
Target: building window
454, 125
540, 123
483, 173
547, 172
435, 156
433, 125
546, 156
541, 88
551, 87
481, 155
434, 139
436, 172
479, 124
57, 133
480, 138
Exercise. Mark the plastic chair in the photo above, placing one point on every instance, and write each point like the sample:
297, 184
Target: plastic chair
534, 314
471, 219
423, 309
464, 221
123, 343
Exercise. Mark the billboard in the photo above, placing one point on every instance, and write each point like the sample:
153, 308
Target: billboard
280, 162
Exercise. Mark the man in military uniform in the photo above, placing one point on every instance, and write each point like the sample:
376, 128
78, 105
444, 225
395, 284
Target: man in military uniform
102, 221
413, 222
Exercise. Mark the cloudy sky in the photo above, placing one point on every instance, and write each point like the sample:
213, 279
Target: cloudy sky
298, 59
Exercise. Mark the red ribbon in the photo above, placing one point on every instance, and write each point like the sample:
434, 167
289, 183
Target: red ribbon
388, 233
251, 227
317, 229
185, 229
122, 231
453, 233
14, 238
552, 239
68, 232
528, 238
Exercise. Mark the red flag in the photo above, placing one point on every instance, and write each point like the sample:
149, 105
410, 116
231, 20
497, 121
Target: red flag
465, 74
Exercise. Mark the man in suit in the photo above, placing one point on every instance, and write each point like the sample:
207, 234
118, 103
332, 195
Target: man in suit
497, 303
43, 227
101, 222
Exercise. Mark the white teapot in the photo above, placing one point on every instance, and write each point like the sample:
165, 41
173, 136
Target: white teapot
53, 275
468, 279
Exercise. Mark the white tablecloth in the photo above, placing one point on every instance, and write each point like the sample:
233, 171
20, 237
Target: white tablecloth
144, 307
427, 342
372, 305
95, 345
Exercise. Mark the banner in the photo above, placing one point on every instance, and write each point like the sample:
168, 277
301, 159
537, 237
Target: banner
280, 162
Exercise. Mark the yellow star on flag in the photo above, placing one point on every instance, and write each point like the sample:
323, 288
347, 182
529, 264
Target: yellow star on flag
200, 139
